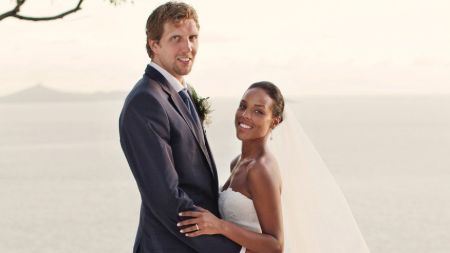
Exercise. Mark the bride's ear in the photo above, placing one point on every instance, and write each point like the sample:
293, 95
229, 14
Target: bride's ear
275, 122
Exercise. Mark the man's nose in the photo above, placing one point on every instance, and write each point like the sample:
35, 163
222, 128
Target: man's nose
187, 45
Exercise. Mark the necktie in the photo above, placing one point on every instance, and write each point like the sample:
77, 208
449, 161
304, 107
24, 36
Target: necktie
190, 106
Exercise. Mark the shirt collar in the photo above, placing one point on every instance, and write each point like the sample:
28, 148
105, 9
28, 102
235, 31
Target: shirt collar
176, 85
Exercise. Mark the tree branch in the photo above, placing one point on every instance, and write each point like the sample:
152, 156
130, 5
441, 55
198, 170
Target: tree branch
15, 13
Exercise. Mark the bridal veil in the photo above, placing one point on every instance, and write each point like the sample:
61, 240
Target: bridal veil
317, 217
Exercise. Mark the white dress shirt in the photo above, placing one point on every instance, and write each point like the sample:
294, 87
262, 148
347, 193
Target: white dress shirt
176, 85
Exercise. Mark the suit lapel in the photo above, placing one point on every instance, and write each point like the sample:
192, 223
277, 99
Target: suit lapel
179, 105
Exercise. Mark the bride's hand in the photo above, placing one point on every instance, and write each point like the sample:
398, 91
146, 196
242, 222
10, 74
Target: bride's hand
203, 222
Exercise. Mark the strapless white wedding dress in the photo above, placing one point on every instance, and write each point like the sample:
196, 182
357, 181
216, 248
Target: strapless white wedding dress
235, 207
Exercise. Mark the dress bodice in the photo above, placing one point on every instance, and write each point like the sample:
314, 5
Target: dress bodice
239, 209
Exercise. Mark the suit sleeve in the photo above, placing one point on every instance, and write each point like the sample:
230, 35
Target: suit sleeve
145, 138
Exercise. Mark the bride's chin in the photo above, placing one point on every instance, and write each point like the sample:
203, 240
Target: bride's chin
241, 136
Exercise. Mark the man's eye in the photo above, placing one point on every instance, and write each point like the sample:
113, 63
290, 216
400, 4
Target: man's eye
175, 38
193, 37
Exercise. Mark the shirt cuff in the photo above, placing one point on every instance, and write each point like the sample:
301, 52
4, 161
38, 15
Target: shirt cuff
243, 250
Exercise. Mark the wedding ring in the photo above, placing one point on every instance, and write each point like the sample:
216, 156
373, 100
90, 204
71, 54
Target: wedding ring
196, 226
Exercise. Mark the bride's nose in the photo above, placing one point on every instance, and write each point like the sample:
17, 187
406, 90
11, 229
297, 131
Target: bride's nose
245, 114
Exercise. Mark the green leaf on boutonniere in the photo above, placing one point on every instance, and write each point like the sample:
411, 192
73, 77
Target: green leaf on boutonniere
202, 105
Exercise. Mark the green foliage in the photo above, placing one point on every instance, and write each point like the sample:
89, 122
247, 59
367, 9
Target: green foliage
202, 104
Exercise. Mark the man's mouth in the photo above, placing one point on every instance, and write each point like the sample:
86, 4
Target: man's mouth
184, 59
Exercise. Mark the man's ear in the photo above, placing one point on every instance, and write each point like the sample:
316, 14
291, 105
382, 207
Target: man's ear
153, 44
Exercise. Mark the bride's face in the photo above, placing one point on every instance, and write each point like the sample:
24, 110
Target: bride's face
254, 118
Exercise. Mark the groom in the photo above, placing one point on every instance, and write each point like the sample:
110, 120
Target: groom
164, 141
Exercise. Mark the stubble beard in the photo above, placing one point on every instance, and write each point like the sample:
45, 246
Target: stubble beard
182, 71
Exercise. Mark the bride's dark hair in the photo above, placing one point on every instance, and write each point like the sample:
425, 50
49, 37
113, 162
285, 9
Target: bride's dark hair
274, 93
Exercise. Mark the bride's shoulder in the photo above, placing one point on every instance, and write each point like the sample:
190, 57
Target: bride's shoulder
264, 172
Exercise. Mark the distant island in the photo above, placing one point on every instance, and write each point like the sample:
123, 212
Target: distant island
41, 93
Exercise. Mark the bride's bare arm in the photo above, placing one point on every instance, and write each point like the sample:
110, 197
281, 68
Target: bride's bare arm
264, 185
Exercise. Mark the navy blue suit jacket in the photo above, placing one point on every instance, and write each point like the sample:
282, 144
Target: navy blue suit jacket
171, 161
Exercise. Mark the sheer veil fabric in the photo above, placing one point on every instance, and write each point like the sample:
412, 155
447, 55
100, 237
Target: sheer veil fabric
317, 217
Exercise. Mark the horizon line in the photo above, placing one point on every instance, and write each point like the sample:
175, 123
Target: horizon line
362, 94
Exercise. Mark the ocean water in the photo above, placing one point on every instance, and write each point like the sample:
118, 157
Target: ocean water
65, 185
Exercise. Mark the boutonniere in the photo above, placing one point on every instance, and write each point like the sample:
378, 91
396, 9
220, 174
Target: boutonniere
202, 105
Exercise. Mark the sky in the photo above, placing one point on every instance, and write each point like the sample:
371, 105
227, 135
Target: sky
314, 47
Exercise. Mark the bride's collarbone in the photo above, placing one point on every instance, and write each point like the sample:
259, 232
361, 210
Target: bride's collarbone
238, 178
242, 166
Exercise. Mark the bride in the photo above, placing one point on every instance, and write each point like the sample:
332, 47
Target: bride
280, 197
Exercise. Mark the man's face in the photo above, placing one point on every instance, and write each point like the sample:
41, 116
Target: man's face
176, 50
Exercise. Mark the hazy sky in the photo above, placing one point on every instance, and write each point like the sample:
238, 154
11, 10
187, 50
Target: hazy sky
305, 47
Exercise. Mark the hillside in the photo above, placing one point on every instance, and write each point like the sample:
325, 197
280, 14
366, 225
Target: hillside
40, 93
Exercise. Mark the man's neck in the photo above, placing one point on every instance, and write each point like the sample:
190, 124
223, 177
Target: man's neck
176, 83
